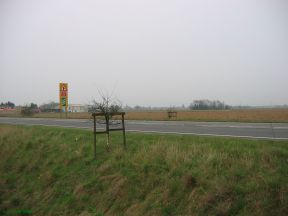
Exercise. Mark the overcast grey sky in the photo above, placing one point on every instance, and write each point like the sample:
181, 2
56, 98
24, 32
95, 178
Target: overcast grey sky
149, 52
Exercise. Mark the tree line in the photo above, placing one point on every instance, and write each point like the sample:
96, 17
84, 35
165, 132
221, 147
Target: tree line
7, 104
208, 105
202, 104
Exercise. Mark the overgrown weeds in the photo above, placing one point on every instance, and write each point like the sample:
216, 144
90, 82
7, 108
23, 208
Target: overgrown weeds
50, 172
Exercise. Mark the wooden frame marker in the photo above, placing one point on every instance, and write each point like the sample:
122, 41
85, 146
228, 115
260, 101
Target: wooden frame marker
108, 129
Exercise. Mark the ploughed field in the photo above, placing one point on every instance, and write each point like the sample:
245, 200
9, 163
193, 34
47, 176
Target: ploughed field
51, 171
241, 115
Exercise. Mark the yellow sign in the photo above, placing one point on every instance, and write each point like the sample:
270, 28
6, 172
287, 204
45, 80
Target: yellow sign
63, 96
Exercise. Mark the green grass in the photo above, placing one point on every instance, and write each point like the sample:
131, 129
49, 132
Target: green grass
45, 171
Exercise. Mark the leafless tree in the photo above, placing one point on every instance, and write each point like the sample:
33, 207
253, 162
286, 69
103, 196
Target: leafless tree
107, 105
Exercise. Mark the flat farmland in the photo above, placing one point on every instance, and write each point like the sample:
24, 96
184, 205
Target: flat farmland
251, 115
240, 115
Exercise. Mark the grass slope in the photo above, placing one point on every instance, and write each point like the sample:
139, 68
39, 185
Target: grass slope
51, 171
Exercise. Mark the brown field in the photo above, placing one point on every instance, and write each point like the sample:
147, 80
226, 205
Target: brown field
10, 113
243, 115
251, 115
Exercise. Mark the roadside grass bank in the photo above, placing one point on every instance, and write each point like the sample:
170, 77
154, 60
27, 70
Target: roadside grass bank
51, 171
243, 115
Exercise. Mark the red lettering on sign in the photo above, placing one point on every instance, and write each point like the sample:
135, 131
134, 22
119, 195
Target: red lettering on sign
64, 93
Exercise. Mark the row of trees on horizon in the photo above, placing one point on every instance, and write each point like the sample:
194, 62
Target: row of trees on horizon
8, 104
202, 104
195, 105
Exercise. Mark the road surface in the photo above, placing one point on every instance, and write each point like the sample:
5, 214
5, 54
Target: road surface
229, 129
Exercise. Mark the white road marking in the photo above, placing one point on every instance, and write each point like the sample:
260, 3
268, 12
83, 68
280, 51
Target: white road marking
280, 127
201, 134
205, 125
48, 119
235, 126
49, 125
155, 123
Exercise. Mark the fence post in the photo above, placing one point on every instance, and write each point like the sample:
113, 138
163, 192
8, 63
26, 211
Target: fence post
123, 129
107, 131
94, 118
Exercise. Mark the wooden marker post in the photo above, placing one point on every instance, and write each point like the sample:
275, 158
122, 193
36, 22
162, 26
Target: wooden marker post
123, 130
94, 118
108, 129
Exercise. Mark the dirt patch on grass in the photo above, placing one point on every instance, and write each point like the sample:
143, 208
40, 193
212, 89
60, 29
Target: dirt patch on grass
134, 209
219, 202
189, 182
79, 190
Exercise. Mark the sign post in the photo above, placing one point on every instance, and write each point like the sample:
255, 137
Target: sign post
63, 97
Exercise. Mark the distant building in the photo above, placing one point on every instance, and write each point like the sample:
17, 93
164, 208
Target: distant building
77, 108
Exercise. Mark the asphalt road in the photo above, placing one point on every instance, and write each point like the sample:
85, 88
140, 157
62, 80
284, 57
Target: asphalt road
229, 129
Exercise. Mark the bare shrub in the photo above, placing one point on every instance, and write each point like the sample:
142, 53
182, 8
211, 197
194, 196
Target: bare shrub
27, 111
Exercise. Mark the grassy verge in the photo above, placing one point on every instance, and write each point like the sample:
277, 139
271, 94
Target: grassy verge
51, 171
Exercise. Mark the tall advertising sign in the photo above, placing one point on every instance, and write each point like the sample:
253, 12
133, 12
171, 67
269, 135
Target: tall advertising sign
63, 96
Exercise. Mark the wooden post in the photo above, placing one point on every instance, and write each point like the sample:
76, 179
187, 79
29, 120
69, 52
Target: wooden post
123, 130
107, 131
94, 118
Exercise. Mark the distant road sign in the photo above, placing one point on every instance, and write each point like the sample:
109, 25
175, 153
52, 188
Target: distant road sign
63, 95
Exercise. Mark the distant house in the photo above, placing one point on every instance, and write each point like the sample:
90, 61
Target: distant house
6, 108
77, 108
